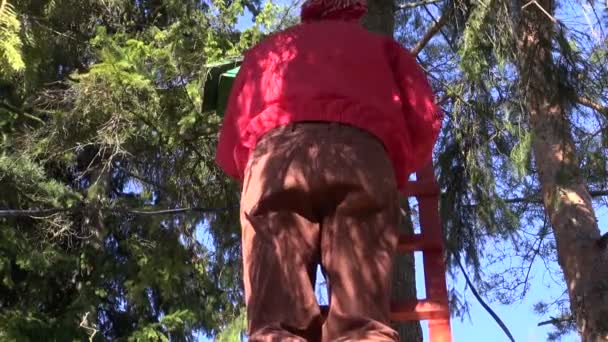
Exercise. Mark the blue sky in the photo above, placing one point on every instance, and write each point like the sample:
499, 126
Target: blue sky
519, 317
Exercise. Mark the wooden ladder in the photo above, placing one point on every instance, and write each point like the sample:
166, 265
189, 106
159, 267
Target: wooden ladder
434, 308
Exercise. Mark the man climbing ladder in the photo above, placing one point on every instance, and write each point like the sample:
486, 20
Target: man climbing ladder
324, 124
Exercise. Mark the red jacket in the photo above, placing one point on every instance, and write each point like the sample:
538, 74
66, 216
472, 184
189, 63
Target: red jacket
331, 70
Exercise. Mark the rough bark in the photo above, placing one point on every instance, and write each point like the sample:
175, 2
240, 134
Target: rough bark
381, 19
566, 199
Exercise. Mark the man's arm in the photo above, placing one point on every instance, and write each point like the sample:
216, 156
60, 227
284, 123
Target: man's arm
229, 137
422, 116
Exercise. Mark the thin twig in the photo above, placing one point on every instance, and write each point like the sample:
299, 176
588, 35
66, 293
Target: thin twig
591, 28
440, 101
84, 323
541, 8
431, 32
483, 303
417, 4
251, 7
21, 112
597, 17
288, 10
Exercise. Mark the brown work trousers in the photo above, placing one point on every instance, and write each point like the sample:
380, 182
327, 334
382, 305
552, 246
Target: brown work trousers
319, 193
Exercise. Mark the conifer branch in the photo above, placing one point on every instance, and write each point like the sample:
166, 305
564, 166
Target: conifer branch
171, 211
538, 199
555, 320
33, 212
122, 210
9, 106
255, 11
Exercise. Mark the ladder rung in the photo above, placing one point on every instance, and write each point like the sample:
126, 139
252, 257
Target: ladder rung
421, 188
417, 242
418, 310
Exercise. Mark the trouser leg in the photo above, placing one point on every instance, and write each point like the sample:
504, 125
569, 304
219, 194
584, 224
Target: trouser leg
280, 248
322, 191
358, 236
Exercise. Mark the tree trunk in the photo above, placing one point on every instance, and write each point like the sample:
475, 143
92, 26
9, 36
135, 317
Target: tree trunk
404, 282
565, 196
381, 19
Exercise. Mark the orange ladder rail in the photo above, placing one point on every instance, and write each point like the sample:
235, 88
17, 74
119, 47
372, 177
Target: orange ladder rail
434, 308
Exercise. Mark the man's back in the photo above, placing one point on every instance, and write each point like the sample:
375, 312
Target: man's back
332, 71
323, 62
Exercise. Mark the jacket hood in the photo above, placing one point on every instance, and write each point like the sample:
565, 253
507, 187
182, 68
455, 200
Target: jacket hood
344, 10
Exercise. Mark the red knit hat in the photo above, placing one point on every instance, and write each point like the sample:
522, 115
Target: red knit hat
333, 10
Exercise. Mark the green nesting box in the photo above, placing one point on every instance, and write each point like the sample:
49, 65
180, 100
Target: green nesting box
218, 85
226, 81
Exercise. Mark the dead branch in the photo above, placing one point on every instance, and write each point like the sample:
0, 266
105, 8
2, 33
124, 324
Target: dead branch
555, 320
591, 104
541, 9
84, 323
433, 30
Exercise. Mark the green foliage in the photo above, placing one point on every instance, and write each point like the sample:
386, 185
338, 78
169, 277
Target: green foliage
169, 326
474, 41
521, 155
265, 23
492, 206
487, 38
103, 120
233, 332
11, 60
100, 114
24, 176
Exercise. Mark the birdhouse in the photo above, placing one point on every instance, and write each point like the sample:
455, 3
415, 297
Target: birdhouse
218, 83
